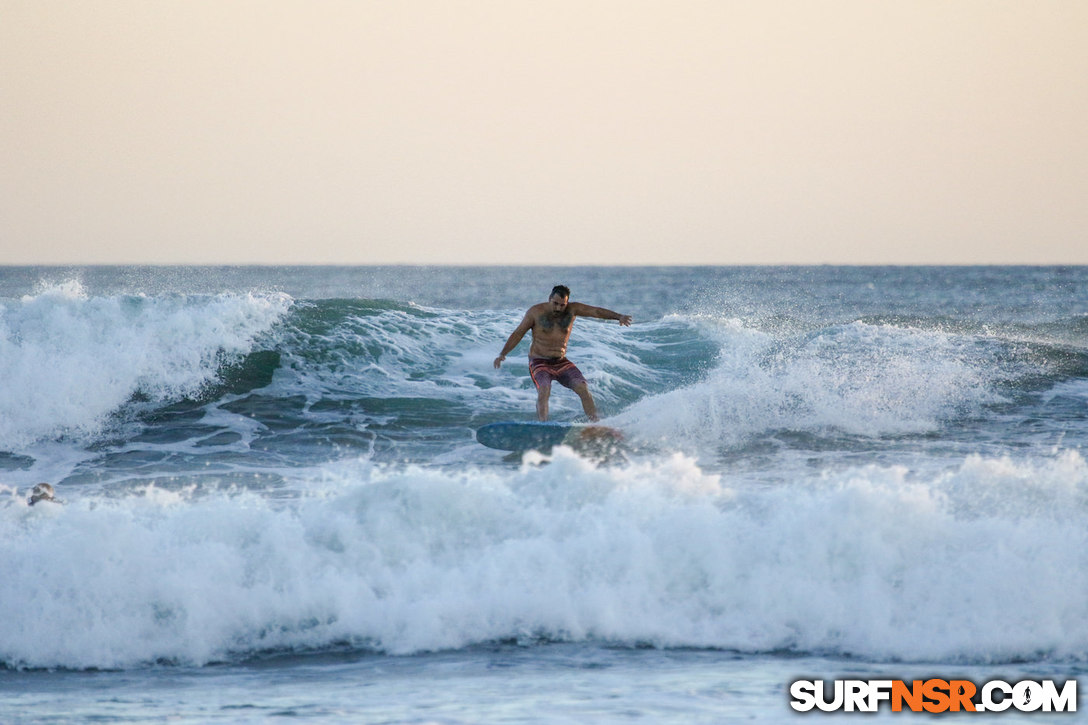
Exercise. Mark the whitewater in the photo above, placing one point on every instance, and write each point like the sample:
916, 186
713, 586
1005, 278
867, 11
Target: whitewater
274, 504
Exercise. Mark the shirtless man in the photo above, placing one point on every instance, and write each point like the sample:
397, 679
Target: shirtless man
551, 323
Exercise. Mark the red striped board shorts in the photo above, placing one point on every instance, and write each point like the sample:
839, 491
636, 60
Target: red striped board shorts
543, 370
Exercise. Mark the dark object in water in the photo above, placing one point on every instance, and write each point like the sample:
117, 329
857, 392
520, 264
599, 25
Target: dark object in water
41, 492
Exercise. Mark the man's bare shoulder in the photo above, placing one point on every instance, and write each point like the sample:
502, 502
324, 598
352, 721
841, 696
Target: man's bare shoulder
577, 308
532, 317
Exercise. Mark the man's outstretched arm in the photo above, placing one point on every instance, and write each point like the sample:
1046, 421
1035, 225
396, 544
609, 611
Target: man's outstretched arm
599, 312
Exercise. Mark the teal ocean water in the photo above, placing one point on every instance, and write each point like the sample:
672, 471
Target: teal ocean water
274, 504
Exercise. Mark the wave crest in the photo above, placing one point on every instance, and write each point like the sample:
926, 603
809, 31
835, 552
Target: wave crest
871, 561
69, 360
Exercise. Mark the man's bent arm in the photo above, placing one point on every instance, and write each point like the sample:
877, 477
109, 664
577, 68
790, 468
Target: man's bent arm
515, 337
599, 312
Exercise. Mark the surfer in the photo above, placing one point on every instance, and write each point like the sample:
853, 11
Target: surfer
551, 323
41, 492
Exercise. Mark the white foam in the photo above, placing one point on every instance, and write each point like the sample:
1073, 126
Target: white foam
68, 360
981, 563
859, 379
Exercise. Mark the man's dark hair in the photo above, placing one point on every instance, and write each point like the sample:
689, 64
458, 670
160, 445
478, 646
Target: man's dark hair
560, 289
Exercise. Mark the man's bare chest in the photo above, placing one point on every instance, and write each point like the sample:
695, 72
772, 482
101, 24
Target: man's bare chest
551, 325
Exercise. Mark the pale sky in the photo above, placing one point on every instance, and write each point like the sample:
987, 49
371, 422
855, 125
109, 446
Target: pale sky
548, 132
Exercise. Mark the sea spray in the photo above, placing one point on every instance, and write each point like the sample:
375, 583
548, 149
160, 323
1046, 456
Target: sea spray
69, 360
857, 379
981, 563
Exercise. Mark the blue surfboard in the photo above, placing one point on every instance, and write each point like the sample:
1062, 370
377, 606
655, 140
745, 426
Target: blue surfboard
535, 435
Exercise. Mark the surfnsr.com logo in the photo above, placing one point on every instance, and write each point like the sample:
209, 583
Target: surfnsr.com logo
933, 695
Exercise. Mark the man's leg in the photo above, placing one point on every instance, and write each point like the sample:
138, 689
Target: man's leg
587, 401
542, 393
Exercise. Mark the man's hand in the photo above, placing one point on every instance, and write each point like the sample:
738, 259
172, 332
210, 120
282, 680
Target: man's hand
625, 320
498, 361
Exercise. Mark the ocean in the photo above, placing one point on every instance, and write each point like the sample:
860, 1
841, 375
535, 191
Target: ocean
274, 507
